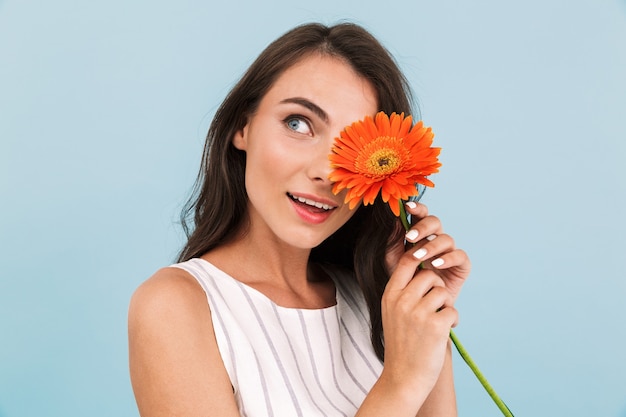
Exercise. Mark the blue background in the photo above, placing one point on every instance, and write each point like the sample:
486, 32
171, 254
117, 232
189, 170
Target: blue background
103, 110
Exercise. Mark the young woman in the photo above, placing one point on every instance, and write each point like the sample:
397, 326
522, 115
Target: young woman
286, 302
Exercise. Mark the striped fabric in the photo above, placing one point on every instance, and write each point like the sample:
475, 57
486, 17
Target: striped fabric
287, 362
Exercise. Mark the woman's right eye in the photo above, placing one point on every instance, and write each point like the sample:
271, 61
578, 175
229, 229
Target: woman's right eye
298, 124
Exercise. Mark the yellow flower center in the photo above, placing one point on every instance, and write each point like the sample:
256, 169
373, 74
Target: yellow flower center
382, 157
383, 161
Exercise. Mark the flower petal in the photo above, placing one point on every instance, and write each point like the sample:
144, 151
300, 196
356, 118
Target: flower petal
384, 155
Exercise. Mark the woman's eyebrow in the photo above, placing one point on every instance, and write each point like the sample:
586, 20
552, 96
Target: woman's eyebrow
309, 105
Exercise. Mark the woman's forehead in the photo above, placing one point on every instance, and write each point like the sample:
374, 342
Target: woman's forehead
326, 80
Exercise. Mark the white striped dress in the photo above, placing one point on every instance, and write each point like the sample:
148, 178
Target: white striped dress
287, 362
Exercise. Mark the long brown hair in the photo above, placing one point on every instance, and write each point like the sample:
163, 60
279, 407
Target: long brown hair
217, 208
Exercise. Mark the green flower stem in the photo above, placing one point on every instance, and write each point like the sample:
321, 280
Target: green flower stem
403, 217
459, 347
468, 360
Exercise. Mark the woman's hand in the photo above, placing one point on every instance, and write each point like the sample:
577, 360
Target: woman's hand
417, 315
435, 249
418, 312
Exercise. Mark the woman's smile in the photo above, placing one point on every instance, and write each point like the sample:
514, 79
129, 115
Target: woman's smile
311, 210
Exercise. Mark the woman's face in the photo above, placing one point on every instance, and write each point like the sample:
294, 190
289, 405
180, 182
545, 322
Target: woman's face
287, 142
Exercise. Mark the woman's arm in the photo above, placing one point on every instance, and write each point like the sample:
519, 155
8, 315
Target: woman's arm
175, 365
442, 399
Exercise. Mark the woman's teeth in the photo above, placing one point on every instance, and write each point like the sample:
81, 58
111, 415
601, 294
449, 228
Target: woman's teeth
311, 202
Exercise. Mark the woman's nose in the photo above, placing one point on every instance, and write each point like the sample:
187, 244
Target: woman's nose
319, 167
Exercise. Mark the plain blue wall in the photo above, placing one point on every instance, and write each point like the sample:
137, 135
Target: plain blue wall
103, 110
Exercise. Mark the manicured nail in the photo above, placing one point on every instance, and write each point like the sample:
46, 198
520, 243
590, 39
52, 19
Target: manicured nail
419, 254
411, 204
437, 262
431, 237
411, 235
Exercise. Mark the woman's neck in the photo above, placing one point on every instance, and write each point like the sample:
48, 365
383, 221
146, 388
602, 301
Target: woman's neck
281, 273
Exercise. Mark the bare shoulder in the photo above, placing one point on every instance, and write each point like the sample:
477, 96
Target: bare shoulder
175, 365
169, 291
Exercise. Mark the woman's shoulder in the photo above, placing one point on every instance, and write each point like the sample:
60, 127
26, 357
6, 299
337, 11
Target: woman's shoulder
175, 365
170, 292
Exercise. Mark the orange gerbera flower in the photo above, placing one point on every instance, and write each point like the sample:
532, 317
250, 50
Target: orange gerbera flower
386, 155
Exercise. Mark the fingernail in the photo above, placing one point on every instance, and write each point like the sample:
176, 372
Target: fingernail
411, 204
437, 262
411, 235
419, 254
431, 237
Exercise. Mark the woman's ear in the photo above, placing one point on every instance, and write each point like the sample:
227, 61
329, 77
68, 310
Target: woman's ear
240, 139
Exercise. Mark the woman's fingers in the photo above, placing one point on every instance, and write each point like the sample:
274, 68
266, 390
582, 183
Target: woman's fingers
425, 287
449, 317
455, 258
435, 250
431, 249
432, 246
416, 210
426, 226
423, 303
422, 284
403, 273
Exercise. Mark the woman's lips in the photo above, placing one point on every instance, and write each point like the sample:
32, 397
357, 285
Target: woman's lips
313, 201
309, 210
